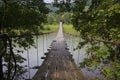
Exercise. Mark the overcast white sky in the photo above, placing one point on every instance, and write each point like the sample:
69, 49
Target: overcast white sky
48, 1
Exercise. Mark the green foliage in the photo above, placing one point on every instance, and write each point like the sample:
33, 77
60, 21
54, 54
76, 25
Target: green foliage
50, 28
97, 25
67, 17
68, 28
63, 5
53, 18
108, 71
19, 19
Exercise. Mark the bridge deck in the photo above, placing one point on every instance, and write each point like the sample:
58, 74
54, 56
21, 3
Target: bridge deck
58, 63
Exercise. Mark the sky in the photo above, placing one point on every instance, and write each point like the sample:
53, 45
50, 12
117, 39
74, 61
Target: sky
48, 1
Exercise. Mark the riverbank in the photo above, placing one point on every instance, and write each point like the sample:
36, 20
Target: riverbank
67, 28
49, 28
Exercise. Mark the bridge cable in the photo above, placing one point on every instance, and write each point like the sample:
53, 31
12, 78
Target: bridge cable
72, 46
37, 51
43, 44
28, 63
78, 53
69, 43
46, 42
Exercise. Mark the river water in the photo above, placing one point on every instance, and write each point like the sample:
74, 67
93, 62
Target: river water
42, 43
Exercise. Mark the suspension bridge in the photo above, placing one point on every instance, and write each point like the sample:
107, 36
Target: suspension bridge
58, 63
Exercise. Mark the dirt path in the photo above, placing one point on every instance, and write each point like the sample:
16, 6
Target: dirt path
58, 63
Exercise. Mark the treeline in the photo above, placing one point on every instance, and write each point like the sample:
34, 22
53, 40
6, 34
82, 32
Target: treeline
59, 11
53, 18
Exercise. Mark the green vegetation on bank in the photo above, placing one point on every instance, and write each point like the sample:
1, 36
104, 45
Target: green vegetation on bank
50, 28
67, 28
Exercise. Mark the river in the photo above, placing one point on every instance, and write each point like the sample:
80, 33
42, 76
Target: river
42, 43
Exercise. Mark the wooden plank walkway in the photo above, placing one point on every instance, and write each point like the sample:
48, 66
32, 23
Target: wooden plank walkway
58, 63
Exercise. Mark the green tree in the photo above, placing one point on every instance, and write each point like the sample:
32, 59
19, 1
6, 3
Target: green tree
99, 27
67, 17
51, 18
19, 19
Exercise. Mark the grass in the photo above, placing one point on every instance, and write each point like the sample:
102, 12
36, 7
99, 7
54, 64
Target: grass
50, 28
69, 29
54, 28
44, 30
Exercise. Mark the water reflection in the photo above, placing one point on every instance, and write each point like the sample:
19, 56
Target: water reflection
34, 54
42, 42
79, 55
